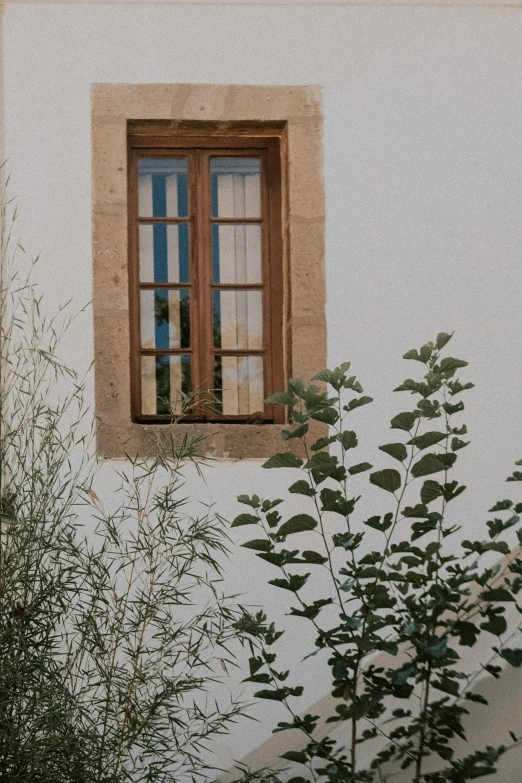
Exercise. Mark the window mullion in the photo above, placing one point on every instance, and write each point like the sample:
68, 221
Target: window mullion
203, 262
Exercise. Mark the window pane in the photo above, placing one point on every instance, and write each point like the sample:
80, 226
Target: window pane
164, 253
235, 187
164, 382
165, 319
238, 384
238, 319
236, 253
162, 187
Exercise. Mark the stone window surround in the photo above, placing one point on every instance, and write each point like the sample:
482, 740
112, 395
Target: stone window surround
299, 109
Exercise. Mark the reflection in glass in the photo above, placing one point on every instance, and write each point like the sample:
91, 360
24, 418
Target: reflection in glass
235, 187
164, 381
164, 253
162, 187
236, 253
238, 319
238, 384
165, 318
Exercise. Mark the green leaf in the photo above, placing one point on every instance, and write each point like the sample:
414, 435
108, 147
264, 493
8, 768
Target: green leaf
276, 695
309, 556
477, 697
244, 519
396, 450
377, 524
357, 402
265, 679
351, 383
497, 594
312, 610
255, 664
302, 487
496, 624
410, 385
429, 409
322, 443
512, 656
420, 529
502, 505
327, 415
444, 751
323, 375
323, 464
297, 524
285, 460
431, 490
439, 648
457, 444
281, 398
451, 409
387, 479
467, 632
260, 544
451, 489
449, 364
486, 546
294, 582
404, 421
273, 518
418, 511
517, 476
427, 439
275, 558
297, 386
333, 500
295, 755
442, 339
299, 432
413, 354
253, 501
430, 463
359, 468
447, 685
348, 439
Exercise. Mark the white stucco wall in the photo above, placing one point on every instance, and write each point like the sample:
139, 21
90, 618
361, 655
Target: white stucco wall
423, 161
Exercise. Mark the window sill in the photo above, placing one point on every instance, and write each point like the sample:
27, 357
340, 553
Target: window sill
220, 441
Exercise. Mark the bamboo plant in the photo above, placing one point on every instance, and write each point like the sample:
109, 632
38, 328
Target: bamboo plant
116, 635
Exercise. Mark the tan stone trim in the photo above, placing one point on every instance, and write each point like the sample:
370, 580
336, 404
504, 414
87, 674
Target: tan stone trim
298, 110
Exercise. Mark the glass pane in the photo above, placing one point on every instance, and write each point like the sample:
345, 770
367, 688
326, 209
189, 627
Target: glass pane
238, 319
238, 384
164, 382
164, 253
162, 187
165, 319
235, 187
236, 253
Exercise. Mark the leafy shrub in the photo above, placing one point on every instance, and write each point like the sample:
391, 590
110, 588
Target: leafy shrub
419, 598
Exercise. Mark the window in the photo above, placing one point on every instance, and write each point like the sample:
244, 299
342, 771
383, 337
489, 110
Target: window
206, 281
232, 122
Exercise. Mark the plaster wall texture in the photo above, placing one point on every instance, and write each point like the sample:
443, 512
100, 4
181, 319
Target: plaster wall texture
422, 157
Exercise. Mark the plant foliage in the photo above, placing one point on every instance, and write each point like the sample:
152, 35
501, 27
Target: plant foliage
401, 583
114, 636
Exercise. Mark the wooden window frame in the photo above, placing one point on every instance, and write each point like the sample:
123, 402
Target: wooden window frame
294, 114
199, 149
